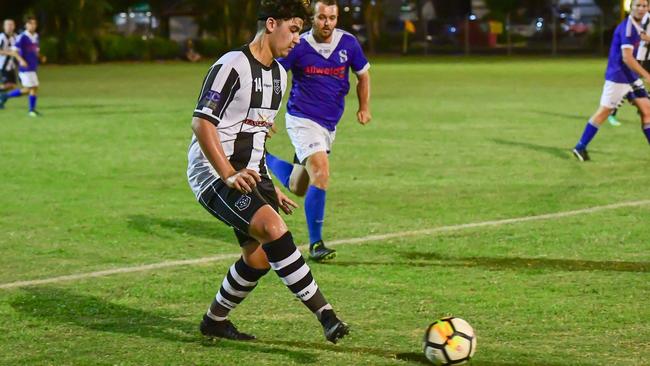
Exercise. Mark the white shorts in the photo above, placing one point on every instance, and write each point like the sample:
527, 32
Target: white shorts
28, 79
308, 137
613, 93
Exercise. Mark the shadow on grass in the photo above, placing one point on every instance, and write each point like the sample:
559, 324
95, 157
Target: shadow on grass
563, 153
162, 227
425, 259
418, 357
572, 117
97, 314
86, 106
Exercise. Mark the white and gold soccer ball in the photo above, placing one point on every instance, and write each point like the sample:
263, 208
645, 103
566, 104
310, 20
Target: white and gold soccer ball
449, 341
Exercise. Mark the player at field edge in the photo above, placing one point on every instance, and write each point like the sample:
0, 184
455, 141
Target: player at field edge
643, 56
239, 99
320, 65
27, 46
9, 58
621, 77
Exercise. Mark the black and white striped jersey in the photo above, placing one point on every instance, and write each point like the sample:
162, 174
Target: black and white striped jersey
7, 63
241, 97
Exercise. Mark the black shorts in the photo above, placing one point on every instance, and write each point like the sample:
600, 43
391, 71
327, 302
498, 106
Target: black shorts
236, 209
8, 77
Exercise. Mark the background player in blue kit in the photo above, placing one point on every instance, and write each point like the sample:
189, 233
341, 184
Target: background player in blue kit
27, 46
320, 65
621, 77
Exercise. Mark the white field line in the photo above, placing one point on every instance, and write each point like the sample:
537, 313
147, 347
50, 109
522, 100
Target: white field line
350, 241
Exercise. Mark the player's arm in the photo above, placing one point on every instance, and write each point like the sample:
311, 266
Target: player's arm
363, 94
206, 133
284, 202
17, 53
14, 53
633, 64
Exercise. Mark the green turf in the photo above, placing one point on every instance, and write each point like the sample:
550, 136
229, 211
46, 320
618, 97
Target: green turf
99, 182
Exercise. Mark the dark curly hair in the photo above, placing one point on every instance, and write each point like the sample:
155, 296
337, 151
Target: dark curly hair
284, 9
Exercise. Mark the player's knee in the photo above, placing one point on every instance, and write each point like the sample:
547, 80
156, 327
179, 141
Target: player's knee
268, 227
320, 179
297, 188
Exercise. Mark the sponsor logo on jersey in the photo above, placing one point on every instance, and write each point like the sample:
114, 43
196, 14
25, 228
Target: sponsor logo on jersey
338, 72
254, 123
243, 202
343, 56
263, 120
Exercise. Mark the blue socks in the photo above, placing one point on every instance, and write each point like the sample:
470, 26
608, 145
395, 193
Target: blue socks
280, 168
314, 200
32, 103
646, 131
14, 93
315, 213
590, 131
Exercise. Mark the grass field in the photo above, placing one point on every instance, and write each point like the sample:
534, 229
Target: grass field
99, 183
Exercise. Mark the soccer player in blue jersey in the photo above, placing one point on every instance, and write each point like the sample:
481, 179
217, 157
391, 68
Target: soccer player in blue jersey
27, 46
320, 65
621, 77
643, 56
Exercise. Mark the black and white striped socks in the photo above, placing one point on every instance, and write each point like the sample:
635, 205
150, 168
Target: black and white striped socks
288, 263
240, 280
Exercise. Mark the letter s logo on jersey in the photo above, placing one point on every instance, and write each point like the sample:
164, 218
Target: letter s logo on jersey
343, 56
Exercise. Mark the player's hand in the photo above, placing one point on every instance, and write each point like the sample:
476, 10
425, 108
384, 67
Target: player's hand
645, 37
43, 59
272, 131
285, 203
22, 63
364, 117
244, 180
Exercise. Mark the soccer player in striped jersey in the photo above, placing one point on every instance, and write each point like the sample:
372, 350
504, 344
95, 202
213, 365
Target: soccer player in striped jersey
237, 105
27, 46
320, 65
9, 58
621, 77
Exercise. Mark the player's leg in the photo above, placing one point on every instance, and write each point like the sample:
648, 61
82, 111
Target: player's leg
612, 94
280, 168
241, 278
15, 93
239, 281
299, 180
612, 117
319, 172
284, 257
643, 104
33, 95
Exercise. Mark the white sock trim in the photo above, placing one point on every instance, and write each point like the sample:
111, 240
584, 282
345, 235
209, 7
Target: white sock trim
319, 312
214, 317
286, 261
308, 292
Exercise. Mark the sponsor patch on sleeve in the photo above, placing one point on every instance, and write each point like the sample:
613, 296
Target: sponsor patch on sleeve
211, 99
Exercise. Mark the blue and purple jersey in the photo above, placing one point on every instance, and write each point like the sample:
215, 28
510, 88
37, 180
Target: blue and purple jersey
626, 35
27, 45
320, 76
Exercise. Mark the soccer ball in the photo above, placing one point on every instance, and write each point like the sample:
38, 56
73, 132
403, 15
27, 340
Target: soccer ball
449, 341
